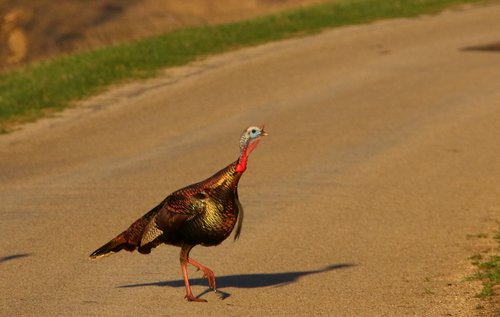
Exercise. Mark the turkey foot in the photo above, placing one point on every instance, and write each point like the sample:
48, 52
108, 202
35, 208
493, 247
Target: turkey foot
192, 298
207, 273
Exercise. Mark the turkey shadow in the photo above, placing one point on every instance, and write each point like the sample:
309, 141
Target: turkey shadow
246, 280
14, 257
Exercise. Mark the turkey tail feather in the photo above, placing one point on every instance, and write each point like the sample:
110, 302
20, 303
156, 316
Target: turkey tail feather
129, 239
240, 220
113, 246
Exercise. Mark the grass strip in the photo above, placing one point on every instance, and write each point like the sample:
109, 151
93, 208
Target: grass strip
488, 272
34, 90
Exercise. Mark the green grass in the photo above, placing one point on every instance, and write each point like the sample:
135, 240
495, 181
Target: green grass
477, 235
37, 89
488, 272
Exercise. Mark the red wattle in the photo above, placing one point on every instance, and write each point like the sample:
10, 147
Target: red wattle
242, 164
240, 168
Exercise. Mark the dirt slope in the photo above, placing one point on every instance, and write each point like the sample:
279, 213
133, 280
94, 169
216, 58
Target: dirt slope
382, 158
35, 30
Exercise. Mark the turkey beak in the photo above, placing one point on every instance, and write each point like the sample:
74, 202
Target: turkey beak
262, 132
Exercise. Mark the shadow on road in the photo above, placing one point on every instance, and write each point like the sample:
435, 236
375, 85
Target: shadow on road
246, 280
14, 257
491, 47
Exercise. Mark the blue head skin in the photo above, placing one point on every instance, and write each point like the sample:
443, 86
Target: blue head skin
249, 135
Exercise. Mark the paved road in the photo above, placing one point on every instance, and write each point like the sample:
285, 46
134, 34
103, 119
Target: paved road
383, 156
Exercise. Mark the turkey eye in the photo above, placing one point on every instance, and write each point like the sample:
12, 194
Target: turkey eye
254, 131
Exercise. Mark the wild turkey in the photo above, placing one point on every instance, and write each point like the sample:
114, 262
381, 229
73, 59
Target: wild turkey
203, 213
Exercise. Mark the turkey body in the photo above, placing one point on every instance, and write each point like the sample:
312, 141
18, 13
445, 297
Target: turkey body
202, 213
208, 211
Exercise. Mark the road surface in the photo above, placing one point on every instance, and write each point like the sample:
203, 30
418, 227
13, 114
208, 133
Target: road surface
374, 187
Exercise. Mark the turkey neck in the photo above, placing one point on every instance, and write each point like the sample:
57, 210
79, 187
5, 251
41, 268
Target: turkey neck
228, 177
241, 165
